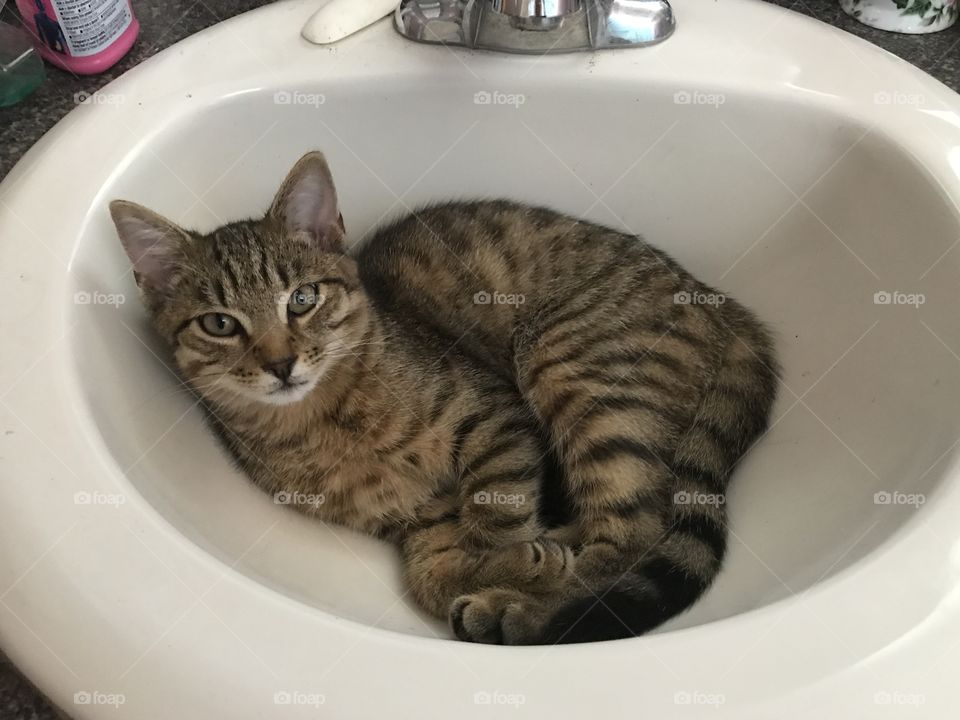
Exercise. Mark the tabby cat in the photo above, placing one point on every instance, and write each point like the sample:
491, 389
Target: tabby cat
542, 413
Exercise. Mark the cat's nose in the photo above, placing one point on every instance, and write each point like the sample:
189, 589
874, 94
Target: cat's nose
281, 368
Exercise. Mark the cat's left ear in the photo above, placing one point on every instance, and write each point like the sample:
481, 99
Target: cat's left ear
306, 204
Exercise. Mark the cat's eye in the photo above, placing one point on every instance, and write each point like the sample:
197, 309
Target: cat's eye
304, 299
219, 324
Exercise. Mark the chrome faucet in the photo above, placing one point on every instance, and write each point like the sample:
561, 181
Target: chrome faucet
536, 26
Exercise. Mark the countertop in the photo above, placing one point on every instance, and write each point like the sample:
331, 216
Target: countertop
164, 22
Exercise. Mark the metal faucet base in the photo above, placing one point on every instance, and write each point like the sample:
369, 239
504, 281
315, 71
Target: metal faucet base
482, 24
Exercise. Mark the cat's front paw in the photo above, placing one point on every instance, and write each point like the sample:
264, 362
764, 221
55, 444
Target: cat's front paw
552, 562
497, 617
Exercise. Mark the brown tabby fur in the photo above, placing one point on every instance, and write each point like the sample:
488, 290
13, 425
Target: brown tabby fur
534, 462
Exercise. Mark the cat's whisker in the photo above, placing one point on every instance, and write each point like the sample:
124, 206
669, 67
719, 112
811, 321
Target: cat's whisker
163, 394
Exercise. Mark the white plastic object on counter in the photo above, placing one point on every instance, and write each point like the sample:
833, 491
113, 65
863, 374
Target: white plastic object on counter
339, 18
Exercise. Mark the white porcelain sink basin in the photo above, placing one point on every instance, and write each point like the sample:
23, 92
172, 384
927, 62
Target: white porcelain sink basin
807, 173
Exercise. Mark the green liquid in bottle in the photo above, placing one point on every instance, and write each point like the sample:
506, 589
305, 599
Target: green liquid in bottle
21, 69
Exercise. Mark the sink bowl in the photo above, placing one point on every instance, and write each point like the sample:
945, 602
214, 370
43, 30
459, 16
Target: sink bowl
807, 173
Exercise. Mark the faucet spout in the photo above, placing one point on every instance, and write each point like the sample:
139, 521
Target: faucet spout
536, 14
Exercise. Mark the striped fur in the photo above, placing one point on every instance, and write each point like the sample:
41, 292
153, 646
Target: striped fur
552, 464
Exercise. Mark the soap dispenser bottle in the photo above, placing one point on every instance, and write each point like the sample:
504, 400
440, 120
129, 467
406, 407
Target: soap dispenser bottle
82, 36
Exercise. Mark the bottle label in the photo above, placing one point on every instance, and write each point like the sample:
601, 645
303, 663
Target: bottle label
91, 26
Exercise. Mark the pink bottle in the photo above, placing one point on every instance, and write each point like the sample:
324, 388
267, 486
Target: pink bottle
82, 36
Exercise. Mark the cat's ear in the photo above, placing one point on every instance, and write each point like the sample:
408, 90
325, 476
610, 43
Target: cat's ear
306, 204
153, 244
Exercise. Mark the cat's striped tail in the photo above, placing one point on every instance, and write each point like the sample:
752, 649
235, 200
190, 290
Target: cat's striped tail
669, 577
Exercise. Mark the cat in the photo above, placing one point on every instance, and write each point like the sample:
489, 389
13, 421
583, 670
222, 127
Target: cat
540, 412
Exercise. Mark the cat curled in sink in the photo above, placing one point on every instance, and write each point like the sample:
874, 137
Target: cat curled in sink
542, 413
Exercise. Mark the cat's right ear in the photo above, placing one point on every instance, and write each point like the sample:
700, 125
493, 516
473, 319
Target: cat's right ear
153, 244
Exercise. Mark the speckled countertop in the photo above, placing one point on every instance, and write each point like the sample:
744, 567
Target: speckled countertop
164, 22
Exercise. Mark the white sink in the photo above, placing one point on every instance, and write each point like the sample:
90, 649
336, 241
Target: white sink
794, 166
